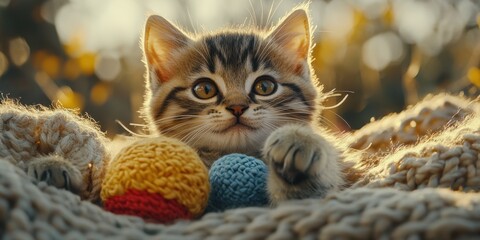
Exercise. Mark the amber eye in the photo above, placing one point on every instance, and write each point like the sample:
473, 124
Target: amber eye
264, 85
205, 88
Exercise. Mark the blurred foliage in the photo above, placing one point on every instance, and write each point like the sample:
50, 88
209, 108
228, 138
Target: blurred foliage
385, 54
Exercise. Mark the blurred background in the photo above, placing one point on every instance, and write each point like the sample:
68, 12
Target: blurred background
385, 54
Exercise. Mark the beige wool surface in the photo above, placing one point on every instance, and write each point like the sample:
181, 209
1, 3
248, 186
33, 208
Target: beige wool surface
28, 133
415, 175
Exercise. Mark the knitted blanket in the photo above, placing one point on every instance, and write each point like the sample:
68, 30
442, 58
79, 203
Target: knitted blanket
416, 175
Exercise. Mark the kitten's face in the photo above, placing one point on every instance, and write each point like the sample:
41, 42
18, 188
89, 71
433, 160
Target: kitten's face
228, 91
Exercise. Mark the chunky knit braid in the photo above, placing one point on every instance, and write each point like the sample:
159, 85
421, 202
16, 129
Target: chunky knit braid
27, 133
392, 149
38, 211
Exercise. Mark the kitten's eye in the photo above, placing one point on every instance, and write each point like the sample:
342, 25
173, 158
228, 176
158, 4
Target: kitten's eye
264, 85
205, 88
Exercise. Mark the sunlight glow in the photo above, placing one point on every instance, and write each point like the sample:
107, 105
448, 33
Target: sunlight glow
339, 19
381, 50
98, 25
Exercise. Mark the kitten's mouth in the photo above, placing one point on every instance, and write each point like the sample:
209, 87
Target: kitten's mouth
237, 126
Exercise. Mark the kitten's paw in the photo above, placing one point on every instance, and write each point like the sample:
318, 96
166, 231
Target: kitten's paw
302, 163
291, 152
56, 172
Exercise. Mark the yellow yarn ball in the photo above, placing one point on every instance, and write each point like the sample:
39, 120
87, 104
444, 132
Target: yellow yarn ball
160, 165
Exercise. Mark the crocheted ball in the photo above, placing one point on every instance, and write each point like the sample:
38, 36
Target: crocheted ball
237, 181
158, 179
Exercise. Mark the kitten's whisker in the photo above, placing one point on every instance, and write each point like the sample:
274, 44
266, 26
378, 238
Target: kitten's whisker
282, 100
195, 133
184, 131
130, 131
290, 108
336, 92
197, 126
181, 117
202, 54
261, 14
271, 14
343, 120
290, 111
253, 14
138, 125
292, 114
191, 22
283, 118
178, 117
277, 103
265, 50
192, 133
179, 135
173, 118
288, 116
174, 127
269, 127
244, 22
332, 94
329, 122
173, 122
201, 133
277, 117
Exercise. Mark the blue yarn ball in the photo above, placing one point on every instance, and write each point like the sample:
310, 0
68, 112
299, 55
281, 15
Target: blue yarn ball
237, 180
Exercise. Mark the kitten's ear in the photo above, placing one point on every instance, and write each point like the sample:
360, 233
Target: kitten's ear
293, 33
162, 40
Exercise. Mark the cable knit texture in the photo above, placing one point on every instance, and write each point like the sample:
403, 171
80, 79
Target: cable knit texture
27, 133
418, 178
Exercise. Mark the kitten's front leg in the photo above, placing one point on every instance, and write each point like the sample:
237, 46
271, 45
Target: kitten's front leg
302, 164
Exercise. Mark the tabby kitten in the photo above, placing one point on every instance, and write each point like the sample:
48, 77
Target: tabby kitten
243, 91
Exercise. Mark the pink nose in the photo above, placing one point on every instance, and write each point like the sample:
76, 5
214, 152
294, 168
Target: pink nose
237, 110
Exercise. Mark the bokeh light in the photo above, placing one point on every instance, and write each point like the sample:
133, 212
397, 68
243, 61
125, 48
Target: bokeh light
107, 66
474, 75
100, 93
415, 20
338, 20
67, 98
381, 50
4, 3
51, 65
71, 69
19, 51
386, 54
3, 63
86, 61
90, 23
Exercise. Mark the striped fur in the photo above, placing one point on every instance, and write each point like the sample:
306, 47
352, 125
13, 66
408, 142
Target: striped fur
230, 58
234, 60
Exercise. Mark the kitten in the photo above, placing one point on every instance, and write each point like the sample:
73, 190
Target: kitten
243, 91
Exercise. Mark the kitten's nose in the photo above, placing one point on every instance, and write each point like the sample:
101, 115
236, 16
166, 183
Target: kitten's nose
237, 110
